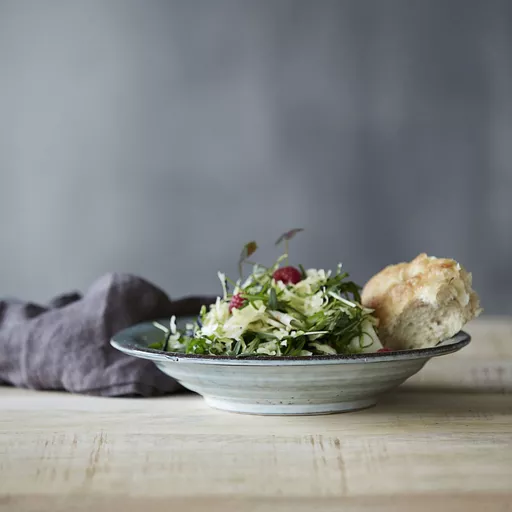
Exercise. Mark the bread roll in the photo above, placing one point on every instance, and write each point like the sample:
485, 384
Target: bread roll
421, 303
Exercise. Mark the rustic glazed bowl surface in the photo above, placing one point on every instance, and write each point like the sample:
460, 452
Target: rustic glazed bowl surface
285, 385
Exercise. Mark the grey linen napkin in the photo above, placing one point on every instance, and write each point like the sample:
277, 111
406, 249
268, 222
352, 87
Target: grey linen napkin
65, 345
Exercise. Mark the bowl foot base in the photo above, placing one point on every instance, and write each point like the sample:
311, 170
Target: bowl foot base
288, 409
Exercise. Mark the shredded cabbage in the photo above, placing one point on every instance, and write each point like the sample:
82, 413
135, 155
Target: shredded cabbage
319, 315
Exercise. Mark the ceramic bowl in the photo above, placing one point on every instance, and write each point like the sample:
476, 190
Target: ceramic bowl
285, 385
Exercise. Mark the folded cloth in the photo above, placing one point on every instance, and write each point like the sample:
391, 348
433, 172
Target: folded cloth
65, 345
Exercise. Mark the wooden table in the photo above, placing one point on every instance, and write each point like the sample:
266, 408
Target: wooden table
442, 442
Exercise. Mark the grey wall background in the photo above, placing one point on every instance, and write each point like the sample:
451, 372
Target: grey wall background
157, 137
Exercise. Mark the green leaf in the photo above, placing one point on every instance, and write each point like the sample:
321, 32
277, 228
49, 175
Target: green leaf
251, 296
166, 341
248, 250
288, 235
300, 342
237, 347
252, 347
294, 310
272, 301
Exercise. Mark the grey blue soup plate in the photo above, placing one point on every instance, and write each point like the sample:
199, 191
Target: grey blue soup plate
284, 385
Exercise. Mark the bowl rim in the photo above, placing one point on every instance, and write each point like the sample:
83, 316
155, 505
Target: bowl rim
128, 341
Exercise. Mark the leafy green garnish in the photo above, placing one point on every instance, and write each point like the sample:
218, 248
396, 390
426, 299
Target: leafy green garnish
272, 299
248, 250
288, 235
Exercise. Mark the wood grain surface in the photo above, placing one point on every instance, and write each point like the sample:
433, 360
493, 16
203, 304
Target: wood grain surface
442, 441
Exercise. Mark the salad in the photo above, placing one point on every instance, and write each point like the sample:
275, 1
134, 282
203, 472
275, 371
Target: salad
279, 310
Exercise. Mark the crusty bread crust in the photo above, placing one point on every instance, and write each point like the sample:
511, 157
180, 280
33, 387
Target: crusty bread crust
422, 302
